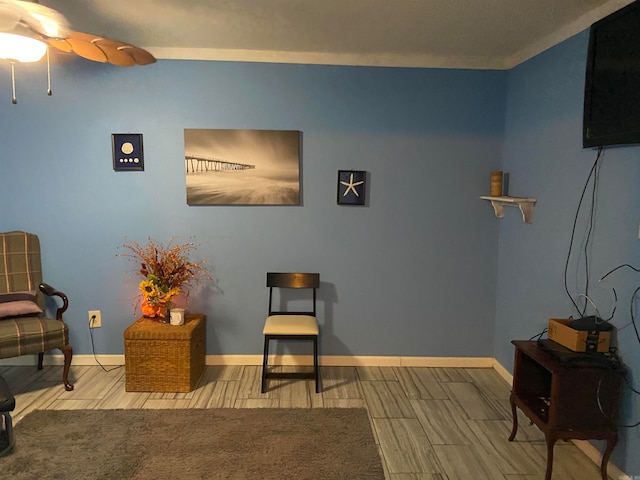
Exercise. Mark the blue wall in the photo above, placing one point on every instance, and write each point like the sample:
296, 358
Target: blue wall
412, 273
543, 152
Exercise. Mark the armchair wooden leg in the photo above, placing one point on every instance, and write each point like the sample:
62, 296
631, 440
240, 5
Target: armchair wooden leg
68, 355
5, 418
40, 360
7, 404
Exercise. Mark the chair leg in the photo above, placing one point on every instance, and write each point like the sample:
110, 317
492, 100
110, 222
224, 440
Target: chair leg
265, 358
316, 368
40, 360
68, 355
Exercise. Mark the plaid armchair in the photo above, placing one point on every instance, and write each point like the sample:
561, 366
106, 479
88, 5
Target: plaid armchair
24, 328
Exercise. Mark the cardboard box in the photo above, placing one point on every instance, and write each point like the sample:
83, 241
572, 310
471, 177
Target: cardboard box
578, 340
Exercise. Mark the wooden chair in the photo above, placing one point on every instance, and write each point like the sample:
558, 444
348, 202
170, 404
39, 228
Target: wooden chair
291, 324
24, 328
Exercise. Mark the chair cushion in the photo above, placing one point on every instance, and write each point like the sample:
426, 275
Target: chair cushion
21, 307
291, 325
18, 303
25, 335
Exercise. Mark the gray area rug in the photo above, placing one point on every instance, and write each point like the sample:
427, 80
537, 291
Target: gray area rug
194, 444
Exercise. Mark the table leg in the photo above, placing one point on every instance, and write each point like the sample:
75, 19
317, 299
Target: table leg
514, 429
611, 443
551, 441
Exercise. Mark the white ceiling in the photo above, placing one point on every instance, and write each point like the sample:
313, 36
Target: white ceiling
477, 34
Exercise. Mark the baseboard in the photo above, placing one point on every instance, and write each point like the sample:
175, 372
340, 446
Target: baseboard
29, 360
503, 372
326, 360
354, 361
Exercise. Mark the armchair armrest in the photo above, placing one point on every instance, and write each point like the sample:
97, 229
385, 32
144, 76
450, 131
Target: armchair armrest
52, 292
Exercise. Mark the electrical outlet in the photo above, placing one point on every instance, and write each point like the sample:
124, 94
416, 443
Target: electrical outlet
95, 319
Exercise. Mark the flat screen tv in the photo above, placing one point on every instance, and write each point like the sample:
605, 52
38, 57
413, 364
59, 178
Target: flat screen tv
612, 87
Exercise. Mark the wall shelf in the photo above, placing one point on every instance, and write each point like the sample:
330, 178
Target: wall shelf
524, 204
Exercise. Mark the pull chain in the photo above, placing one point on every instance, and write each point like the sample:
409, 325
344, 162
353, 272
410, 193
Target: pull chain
49, 92
14, 100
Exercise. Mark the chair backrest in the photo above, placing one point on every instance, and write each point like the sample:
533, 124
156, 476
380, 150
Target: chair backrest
296, 280
20, 263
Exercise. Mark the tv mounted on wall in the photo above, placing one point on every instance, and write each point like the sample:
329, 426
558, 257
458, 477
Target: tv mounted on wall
612, 88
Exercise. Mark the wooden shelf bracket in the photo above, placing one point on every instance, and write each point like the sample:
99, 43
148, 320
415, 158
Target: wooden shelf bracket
524, 204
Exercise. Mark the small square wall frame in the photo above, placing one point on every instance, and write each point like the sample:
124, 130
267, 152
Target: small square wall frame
127, 152
351, 187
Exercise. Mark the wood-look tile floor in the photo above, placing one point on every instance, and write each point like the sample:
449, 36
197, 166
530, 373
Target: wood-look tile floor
429, 423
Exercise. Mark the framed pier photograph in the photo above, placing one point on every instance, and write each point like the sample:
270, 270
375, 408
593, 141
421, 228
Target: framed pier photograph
242, 167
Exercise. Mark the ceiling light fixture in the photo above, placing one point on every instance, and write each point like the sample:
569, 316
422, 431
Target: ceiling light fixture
28, 29
18, 48
24, 28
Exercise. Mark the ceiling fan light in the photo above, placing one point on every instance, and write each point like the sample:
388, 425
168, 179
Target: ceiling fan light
19, 48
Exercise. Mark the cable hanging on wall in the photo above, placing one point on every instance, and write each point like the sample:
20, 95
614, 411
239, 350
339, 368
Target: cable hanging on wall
593, 179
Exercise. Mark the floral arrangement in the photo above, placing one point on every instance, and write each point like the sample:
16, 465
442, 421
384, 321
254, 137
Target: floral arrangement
167, 272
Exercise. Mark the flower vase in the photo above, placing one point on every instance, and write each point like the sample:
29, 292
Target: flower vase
159, 311
148, 310
163, 311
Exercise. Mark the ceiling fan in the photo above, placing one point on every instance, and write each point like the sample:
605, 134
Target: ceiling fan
28, 30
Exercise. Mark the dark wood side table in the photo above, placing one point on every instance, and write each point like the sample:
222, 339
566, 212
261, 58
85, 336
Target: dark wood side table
568, 395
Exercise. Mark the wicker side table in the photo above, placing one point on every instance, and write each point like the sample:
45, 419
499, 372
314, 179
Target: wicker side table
160, 357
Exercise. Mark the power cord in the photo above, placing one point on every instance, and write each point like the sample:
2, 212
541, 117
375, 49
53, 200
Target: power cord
633, 296
592, 173
593, 304
626, 380
93, 348
538, 336
633, 319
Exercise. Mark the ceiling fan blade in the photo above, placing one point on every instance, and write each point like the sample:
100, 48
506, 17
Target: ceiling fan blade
139, 55
136, 55
82, 45
114, 55
9, 17
42, 20
102, 49
60, 45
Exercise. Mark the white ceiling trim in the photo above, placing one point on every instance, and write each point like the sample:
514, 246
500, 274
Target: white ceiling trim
327, 58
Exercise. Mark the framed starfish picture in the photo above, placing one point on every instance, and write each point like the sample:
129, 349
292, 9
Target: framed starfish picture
351, 187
